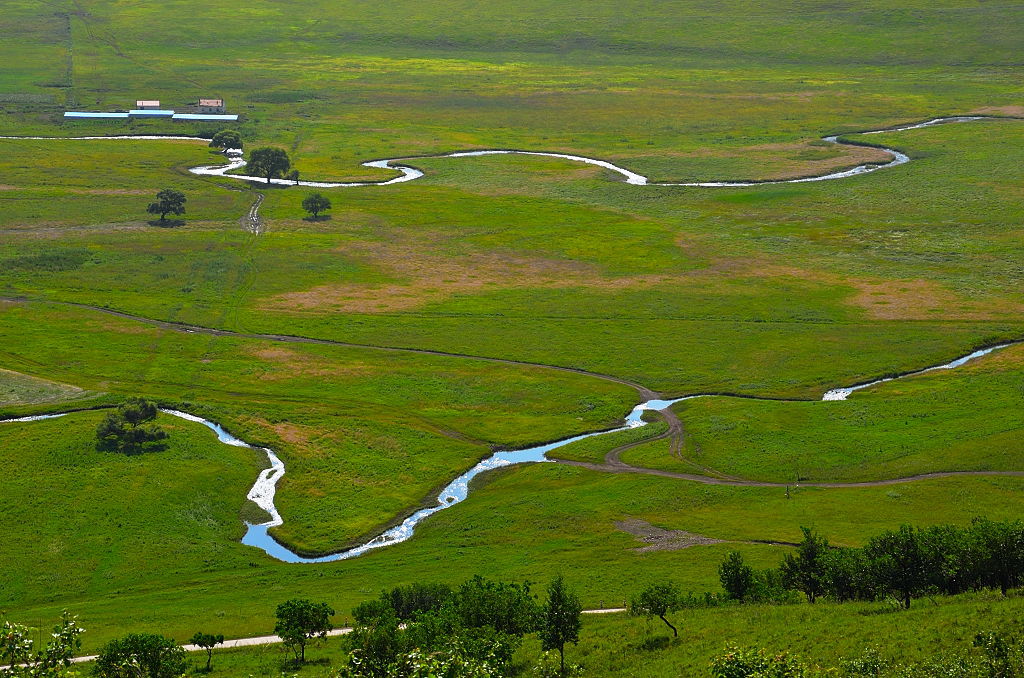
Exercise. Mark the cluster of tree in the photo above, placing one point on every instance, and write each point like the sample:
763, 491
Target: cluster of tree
992, 655
19, 657
910, 562
903, 564
141, 655
424, 629
126, 430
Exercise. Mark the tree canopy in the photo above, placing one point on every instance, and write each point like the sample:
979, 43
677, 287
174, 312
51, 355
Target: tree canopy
168, 201
560, 619
141, 654
207, 641
269, 162
226, 138
299, 620
126, 430
657, 600
315, 203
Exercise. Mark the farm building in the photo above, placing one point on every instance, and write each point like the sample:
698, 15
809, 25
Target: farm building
147, 105
210, 106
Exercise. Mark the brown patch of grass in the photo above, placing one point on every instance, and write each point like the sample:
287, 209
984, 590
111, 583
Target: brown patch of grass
999, 110
923, 300
423, 278
288, 364
881, 299
428, 278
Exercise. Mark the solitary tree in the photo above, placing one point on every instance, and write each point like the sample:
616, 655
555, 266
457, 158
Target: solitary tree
805, 571
736, 576
226, 138
299, 620
314, 203
125, 430
560, 619
168, 201
294, 176
269, 163
141, 654
657, 600
207, 641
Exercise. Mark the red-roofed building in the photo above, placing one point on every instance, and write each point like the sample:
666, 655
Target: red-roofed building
210, 106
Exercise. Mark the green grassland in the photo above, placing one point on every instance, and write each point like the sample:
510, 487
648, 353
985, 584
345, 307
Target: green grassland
177, 511
781, 291
939, 421
615, 644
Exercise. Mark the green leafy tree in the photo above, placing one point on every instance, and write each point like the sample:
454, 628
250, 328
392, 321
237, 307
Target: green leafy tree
657, 600
847, 576
226, 138
168, 201
269, 163
736, 576
17, 649
805, 571
998, 552
207, 641
293, 176
141, 654
505, 607
900, 564
414, 599
126, 430
314, 203
560, 619
300, 620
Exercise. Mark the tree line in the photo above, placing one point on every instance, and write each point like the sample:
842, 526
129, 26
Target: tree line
471, 631
901, 565
411, 631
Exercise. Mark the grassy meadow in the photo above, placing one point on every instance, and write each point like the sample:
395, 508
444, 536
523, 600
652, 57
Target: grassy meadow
780, 291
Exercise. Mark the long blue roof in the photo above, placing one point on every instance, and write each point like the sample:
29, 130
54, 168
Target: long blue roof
203, 116
156, 113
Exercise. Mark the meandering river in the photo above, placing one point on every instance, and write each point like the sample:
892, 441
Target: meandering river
236, 161
263, 490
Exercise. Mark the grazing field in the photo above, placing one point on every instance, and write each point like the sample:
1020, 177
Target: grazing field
506, 300
615, 644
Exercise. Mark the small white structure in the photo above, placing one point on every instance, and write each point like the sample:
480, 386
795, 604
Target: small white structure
210, 106
147, 105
